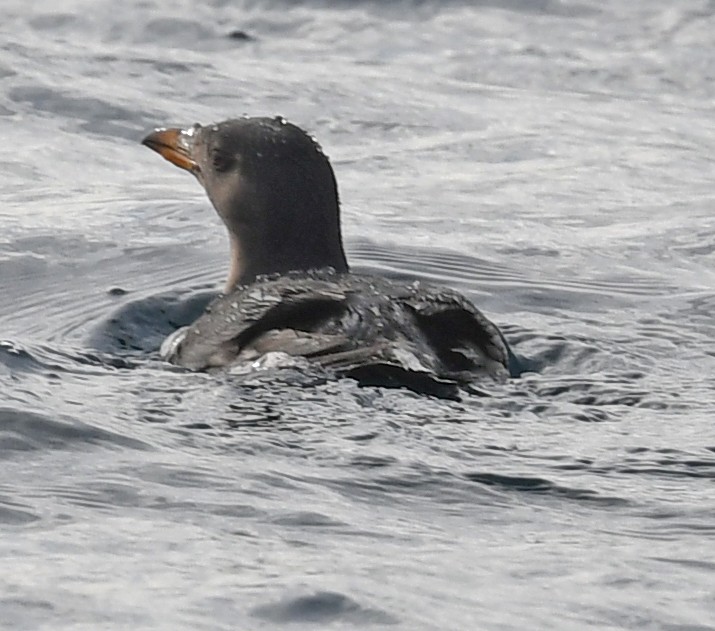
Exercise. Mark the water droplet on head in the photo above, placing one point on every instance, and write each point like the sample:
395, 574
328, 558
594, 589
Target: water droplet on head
186, 136
316, 144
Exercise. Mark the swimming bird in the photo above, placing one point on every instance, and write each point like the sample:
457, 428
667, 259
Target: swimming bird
289, 288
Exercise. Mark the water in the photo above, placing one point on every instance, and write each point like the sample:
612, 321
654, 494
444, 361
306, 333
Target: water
552, 160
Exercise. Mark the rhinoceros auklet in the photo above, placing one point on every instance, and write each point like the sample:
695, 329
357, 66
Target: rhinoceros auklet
289, 289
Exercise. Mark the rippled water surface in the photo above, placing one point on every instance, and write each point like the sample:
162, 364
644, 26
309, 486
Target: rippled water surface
552, 160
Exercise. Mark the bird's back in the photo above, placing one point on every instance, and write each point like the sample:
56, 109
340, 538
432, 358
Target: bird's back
376, 330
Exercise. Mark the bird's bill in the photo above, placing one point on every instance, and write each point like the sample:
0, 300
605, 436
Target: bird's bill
175, 145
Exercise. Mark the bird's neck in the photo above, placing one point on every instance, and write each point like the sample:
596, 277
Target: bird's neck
253, 255
236, 267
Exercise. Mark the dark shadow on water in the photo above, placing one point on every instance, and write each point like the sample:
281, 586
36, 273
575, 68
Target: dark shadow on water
322, 608
140, 326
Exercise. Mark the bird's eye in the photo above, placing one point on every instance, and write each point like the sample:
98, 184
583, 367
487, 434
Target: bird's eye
221, 162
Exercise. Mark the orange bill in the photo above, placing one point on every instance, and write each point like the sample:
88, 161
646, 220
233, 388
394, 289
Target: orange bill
171, 144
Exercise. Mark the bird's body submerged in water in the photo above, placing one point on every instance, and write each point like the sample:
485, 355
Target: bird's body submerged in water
289, 289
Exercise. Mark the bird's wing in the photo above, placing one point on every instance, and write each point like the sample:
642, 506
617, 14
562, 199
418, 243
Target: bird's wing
264, 317
459, 333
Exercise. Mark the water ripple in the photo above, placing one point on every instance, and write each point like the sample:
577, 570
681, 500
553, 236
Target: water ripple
22, 431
